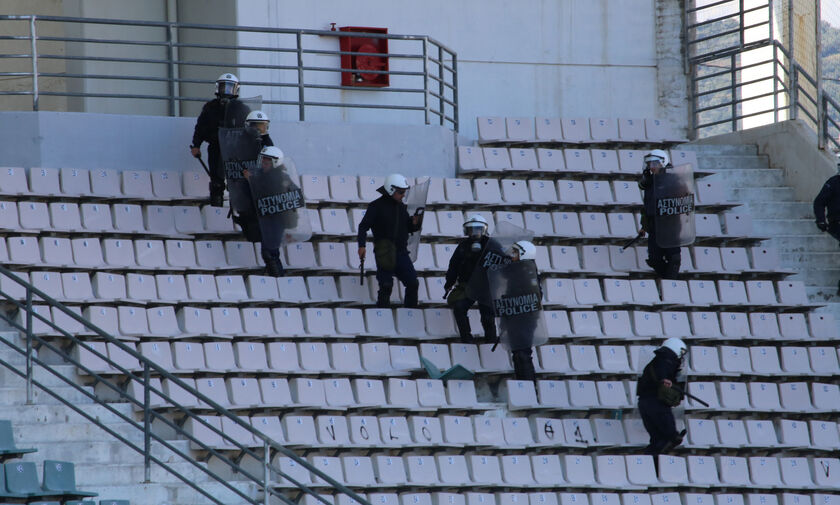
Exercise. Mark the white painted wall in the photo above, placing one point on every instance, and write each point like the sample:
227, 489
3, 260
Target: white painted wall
532, 57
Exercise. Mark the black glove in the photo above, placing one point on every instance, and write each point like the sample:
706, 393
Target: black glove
448, 286
822, 226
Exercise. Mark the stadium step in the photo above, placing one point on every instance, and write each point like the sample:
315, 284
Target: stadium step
780, 210
771, 227
752, 177
721, 149
707, 162
816, 242
772, 194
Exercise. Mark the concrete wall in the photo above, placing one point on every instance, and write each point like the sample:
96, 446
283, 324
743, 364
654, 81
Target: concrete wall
87, 140
21, 28
791, 146
539, 57
147, 10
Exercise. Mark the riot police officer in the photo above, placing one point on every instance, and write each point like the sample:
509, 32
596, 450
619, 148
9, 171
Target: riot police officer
213, 115
522, 330
665, 261
259, 121
388, 218
658, 392
828, 200
462, 266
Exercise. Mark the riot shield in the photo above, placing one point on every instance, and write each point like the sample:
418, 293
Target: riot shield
279, 204
516, 301
415, 200
673, 193
494, 252
240, 148
237, 109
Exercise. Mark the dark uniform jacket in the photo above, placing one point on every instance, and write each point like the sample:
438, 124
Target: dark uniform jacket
207, 126
388, 219
463, 261
664, 365
829, 197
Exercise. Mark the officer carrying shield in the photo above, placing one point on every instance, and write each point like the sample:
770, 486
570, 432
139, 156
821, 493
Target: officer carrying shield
240, 148
516, 295
388, 217
276, 200
462, 265
221, 111
665, 261
658, 392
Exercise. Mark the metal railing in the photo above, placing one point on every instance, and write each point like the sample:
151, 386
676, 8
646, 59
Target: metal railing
296, 68
728, 88
170, 413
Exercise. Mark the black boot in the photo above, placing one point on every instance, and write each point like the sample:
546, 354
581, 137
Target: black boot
410, 299
273, 266
523, 365
383, 297
217, 194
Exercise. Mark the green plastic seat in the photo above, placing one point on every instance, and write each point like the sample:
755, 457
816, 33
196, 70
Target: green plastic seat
8, 449
60, 477
457, 372
22, 480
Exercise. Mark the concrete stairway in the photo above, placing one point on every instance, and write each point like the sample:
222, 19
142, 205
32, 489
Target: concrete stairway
789, 223
103, 464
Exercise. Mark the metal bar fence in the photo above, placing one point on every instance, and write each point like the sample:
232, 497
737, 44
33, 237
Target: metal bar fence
170, 414
718, 96
181, 61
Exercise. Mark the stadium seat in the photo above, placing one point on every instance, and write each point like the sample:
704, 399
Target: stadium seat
578, 160
496, 159
604, 161
576, 130
603, 130
491, 128
551, 160
631, 130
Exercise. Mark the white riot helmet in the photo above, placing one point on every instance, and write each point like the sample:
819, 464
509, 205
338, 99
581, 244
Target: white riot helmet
525, 249
273, 153
227, 86
676, 345
394, 182
259, 120
475, 227
657, 155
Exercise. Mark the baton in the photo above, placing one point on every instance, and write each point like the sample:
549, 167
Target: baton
446, 294
202, 163
634, 240
362, 272
689, 395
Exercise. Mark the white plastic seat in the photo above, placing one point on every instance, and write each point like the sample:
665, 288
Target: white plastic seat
570, 192
133, 321
585, 324
34, 215
162, 321
702, 471
542, 192
87, 252
604, 160
452, 469
150, 253
735, 360
520, 128
704, 360
824, 434
583, 393
647, 324
621, 224
707, 259
491, 128
734, 325
622, 260
594, 225
548, 129
702, 433
460, 190
65, 216
576, 130
564, 258
764, 325
215, 219
706, 391
672, 469
194, 183
159, 219
612, 394
496, 159
616, 323
344, 188
579, 470
334, 221
603, 129
470, 159
551, 160
13, 181
566, 224
734, 396
515, 191
44, 181
598, 192
538, 222
826, 396
761, 433
578, 160
77, 286
764, 396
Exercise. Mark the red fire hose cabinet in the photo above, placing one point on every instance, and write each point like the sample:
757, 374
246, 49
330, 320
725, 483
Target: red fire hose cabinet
358, 64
